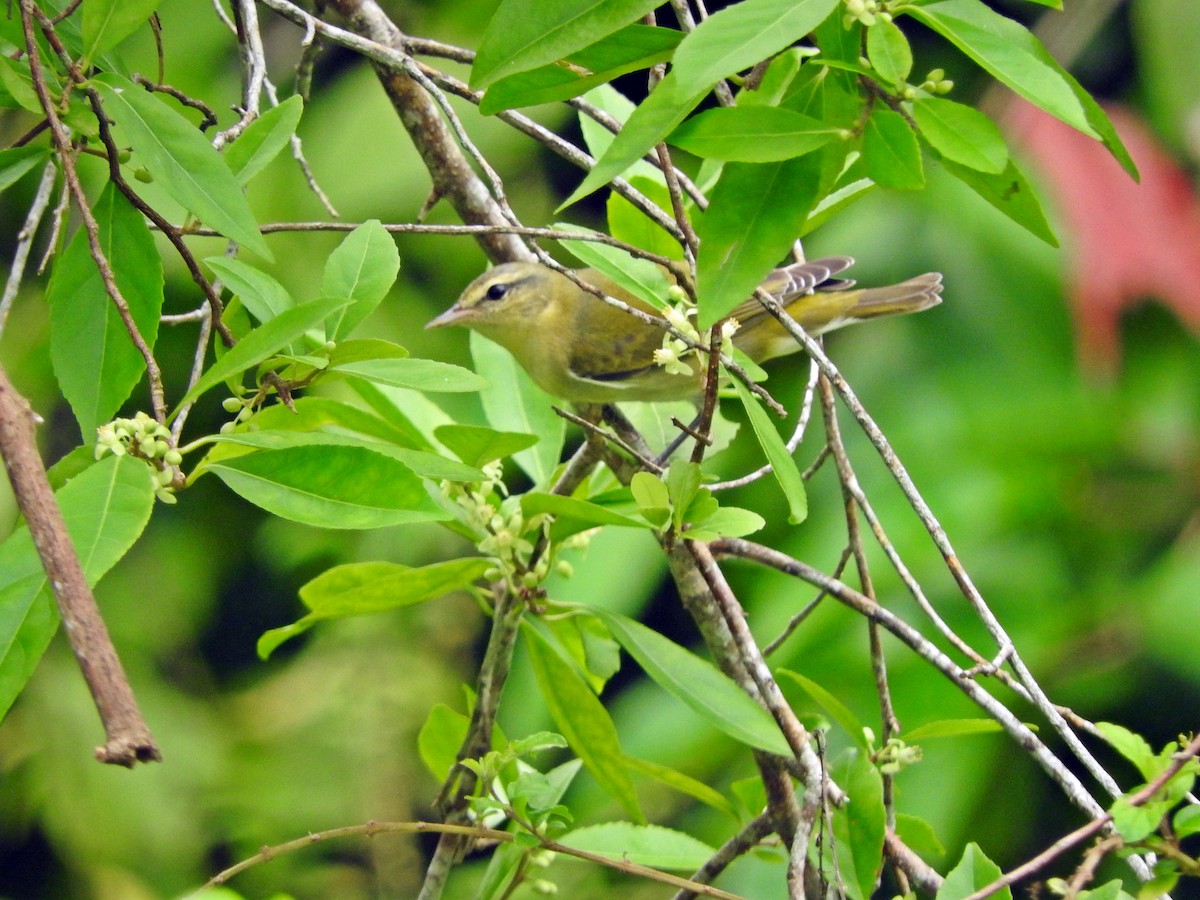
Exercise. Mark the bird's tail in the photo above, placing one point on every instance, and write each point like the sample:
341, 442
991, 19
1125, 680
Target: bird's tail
909, 296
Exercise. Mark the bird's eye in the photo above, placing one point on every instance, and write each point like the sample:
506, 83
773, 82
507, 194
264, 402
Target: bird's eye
497, 291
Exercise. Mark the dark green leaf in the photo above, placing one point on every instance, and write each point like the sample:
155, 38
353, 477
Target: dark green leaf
181, 160
743, 34
1010, 193
783, 466
331, 486
751, 134
633, 47
16, 161
889, 53
94, 358
757, 210
363, 268
263, 296
106, 507
264, 341
582, 719
962, 134
1011, 53
974, 871
891, 151
358, 589
263, 139
647, 845
698, 683
514, 403
524, 34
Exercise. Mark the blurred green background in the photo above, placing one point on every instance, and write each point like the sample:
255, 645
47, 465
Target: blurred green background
1069, 488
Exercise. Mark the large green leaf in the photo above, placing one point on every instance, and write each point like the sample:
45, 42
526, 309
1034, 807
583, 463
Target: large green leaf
16, 161
94, 358
524, 34
751, 134
181, 160
783, 466
477, 445
891, 151
363, 268
743, 34
512, 402
582, 719
698, 683
647, 845
859, 825
414, 374
108, 22
331, 486
1011, 53
640, 277
359, 589
1011, 193
757, 210
835, 708
263, 296
633, 47
961, 133
889, 53
106, 508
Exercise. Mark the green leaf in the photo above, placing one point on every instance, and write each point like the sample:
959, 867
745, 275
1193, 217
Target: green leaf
743, 34
1132, 746
264, 341
263, 139
1010, 193
477, 445
650, 494
16, 161
698, 683
861, 824
524, 34
682, 783
94, 358
1011, 53
108, 22
952, 728
580, 514
647, 845
414, 374
783, 466
918, 835
181, 161
331, 487
751, 134
106, 508
974, 871
263, 296
891, 151
1134, 823
581, 719
363, 268
1186, 822
836, 709
633, 47
757, 210
638, 276
358, 589
629, 224
962, 134
655, 118
889, 53
514, 403
440, 737
728, 521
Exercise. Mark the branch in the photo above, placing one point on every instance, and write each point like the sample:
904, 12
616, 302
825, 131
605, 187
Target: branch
128, 738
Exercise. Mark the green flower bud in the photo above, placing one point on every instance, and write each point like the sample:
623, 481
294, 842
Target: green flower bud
142, 174
173, 457
231, 404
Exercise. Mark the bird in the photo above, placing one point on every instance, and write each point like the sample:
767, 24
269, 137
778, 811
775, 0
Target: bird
579, 348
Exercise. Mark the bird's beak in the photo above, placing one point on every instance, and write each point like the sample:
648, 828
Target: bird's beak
452, 316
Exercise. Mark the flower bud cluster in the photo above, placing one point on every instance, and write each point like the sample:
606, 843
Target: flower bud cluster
244, 409
865, 11
144, 438
674, 351
936, 82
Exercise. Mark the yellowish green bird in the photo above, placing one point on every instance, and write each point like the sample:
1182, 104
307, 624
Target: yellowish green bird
579, 348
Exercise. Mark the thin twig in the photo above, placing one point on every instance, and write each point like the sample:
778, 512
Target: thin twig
33, 218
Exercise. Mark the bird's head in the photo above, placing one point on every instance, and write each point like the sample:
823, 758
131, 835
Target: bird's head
511, 295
